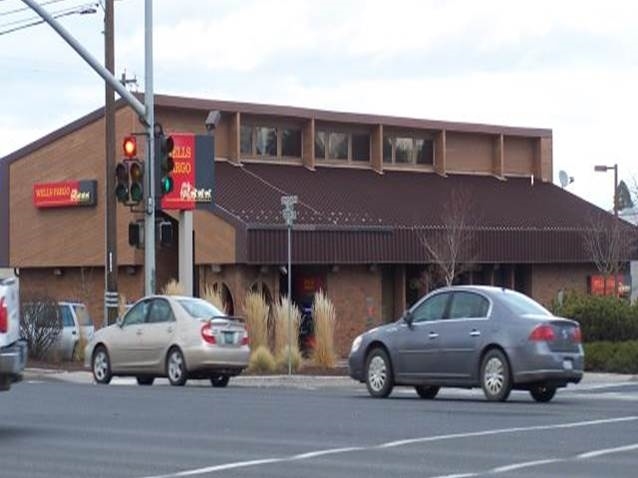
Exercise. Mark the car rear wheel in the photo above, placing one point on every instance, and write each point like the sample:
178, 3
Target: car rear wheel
219, 380
176, 367
427, 391
542, 393
495, 376
145, 380
101, 366
379, 378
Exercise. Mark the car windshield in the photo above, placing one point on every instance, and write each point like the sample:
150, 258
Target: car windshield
522, 305
83, 315
198, 308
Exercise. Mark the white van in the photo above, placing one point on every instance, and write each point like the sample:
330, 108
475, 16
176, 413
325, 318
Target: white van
77, 330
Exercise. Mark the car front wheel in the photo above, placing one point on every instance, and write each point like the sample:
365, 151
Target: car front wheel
101, 366
176, 367
495, 376
427, 392
219, 380
542, 393
379, 378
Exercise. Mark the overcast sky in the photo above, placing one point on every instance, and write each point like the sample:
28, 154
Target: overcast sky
571, 66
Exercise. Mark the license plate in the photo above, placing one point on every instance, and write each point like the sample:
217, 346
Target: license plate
229, 338
568, 364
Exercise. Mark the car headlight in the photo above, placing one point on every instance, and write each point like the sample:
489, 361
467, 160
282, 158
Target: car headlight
356, 343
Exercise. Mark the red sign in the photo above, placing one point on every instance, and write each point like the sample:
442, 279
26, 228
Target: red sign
65, 194
193, 174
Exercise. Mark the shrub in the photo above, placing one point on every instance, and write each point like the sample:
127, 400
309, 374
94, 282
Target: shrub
612, 357
296, 360
601, 318
324, 315
261, 361
40, 324
283, 328
215, 297
173, 287
256, 313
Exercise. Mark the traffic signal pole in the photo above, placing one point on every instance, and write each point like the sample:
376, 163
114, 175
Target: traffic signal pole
145, 112
149, 190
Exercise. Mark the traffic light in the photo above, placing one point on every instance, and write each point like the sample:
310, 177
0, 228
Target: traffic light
164, 164
136, 234
129, 174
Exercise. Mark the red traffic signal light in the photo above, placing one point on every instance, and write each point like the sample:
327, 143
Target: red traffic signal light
129, 145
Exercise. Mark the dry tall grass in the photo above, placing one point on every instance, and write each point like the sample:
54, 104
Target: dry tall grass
256, 313
215, 297
121, 305
261, 360
323, 313
173, 287
282, 328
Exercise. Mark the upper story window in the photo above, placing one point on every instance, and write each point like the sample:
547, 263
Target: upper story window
270, 142
342, 146
408, 150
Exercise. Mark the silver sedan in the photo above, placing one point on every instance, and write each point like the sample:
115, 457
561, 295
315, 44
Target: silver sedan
471, 336
170, 336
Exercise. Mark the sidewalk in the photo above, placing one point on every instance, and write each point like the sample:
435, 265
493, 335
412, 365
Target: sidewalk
295, 380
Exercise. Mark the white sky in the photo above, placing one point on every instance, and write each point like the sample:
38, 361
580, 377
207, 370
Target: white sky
571, 66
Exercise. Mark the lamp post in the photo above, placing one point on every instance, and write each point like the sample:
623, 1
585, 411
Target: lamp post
289, 215
603, 169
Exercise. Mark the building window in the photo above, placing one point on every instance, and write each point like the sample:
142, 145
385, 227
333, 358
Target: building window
338, 146
320, 145
342, 146
270, 141
361, 147
408, 150
266, 143
246, 140
291, 142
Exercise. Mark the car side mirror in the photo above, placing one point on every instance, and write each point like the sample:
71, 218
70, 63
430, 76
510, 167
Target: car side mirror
408, 318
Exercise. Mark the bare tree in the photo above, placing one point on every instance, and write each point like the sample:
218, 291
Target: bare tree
609, 242
450, 245
40, 324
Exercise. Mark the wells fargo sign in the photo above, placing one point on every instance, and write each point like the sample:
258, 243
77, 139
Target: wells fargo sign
65, 194
193, 173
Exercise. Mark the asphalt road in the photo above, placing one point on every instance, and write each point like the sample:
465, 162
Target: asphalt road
55, 429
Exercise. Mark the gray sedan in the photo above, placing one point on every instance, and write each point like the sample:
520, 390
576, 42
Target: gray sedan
471, 336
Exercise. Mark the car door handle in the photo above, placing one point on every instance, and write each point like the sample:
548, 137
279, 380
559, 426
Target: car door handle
74, 333
169, 330
433, 335
139, 332
475, 333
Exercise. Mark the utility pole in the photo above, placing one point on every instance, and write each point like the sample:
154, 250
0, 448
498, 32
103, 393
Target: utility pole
111, 297
149, 190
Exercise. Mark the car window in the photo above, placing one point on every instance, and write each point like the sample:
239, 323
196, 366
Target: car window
198, 308
160, 312
431, 309
67, 316
520, 304
468, 305
137, 314
82, 314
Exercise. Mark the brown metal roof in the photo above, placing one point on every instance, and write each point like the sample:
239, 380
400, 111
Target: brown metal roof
348, 215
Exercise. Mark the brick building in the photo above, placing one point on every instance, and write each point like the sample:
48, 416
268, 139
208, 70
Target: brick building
375, 194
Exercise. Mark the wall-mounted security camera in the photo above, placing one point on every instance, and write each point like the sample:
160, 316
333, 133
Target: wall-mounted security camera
212, 120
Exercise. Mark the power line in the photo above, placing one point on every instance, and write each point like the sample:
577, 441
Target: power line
17, 10
32, 21
79, 8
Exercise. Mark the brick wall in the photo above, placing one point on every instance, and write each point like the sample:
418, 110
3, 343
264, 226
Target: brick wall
548, 279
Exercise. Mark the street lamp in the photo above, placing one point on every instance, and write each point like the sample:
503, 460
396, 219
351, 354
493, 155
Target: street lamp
603, 169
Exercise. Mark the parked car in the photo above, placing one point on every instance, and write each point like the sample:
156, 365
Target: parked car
77, 330
170, 336
13, 350
471, 336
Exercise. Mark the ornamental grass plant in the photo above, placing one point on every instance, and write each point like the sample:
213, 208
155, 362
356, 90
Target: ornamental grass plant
261, 360
286, 332
214, 295
173, 287
323, 313
256, 311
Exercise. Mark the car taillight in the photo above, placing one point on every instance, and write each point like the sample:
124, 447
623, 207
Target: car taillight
245, 340
4, 317
207, 334
577, 336
542, 333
